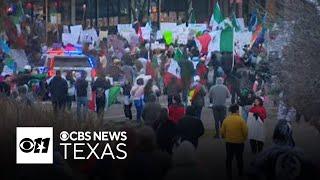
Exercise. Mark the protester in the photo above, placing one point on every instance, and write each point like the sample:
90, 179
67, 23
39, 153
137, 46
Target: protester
211, 77
166, 132
151, 110
5, 89
81, 86
127, 104
282, 160
246, 100
218, 94
172, 89
233, 80
190, 127
148, 90
100, 86
197, 99
256, 120
24, 96
258, 86
58, 88
235, 131
177, 109
71, 89
137, 96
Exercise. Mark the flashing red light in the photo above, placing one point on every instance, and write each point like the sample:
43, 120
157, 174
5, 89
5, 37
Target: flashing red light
93, 73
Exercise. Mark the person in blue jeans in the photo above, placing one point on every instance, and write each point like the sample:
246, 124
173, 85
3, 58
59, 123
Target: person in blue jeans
137, 94
81, 86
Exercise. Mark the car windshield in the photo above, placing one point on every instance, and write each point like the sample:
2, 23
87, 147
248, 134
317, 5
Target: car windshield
65, 61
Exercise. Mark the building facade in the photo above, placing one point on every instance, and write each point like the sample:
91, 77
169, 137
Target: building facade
106, 13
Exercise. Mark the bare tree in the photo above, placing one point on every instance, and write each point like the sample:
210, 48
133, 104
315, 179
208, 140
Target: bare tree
299, 67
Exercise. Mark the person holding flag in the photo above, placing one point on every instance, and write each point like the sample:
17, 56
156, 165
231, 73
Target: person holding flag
197, 95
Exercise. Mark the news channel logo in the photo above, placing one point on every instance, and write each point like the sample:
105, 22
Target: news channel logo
34, 145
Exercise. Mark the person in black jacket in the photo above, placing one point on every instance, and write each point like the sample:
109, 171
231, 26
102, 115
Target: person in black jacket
99, 87
165, 132
81, 86
127, 99
190, 128
58, 88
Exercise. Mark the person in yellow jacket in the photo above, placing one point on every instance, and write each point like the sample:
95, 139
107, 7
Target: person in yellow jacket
234, 130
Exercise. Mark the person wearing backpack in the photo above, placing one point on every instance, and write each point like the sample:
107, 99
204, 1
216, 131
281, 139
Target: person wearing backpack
81, 87
99, 87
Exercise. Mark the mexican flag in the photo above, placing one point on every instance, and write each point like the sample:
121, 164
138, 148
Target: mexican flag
222, 40
203, 42
173, 72
178, 55
112, 95
216, 17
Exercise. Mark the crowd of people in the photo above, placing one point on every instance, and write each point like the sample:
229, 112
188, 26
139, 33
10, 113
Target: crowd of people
175, 126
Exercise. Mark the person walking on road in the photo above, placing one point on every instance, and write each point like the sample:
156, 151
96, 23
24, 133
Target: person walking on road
197, 99
137, 94
234, 131
218, 94
81, 86
58, 88
100, 86
256, 120
190, 128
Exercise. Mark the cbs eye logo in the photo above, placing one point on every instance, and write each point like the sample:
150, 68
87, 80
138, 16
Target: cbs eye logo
38, 145
34, 145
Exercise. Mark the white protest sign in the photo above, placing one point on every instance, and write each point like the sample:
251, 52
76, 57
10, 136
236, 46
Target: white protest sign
76, 31
183, 37
102, 35
124, 27
159, 35
20, 57
197, 27
89, 36
67, 38
146, 32
241, 23
241, 39
167, 26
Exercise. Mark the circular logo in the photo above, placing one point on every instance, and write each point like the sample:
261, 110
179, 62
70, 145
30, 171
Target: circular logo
26, 145
64, 136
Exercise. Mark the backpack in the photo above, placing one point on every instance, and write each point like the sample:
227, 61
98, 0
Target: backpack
100, 93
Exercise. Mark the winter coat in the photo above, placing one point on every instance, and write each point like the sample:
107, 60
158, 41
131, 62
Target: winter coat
219, 93
166, 136
58, 88
151, 112
81, 88
176, 112
190, 128
198, 99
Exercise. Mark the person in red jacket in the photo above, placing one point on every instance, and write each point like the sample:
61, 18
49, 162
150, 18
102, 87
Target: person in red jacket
259, 112
176, 110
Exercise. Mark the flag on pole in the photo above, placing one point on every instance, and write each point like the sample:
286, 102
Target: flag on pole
253, 21
235, 23
203, 42
226, 40
216, 17
222, 40
173, 72
178, 55
192, 18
